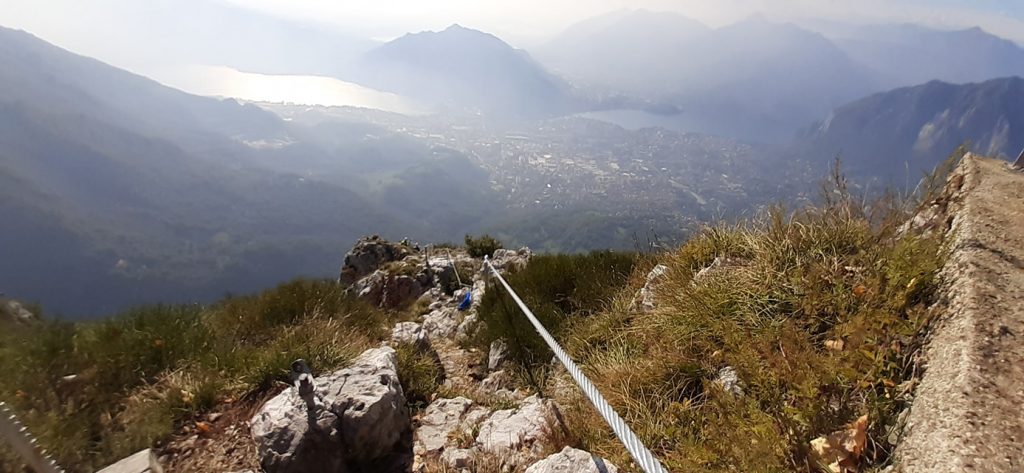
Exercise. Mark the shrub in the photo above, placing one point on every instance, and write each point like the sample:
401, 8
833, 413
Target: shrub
484, 245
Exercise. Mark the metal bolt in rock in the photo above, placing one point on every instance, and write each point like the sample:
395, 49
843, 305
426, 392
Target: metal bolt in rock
302, 378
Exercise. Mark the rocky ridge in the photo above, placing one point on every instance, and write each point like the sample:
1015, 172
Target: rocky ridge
357, 419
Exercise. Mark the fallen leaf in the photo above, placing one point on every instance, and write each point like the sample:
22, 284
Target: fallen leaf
841, 450
202, 427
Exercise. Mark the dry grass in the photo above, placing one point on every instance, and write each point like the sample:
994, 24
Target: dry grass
142, 374
792, 285
821, 275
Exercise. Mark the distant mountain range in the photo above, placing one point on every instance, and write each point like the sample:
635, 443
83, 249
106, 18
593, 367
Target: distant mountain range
911, 129
762, 80
906, 54
462, 67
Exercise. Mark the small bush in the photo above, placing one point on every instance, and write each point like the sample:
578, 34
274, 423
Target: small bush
484, 245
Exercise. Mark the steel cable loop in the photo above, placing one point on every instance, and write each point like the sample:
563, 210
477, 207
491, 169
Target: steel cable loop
641, 454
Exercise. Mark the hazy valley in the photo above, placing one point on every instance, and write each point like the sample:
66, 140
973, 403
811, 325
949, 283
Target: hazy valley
119, 190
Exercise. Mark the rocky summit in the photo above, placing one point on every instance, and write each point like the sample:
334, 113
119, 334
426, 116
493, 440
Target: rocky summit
356, 420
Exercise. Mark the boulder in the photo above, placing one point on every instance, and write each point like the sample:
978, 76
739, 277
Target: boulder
497, 355
359, 420
458, 457
411, 333
401, 290
509, 260
440, 323
497, 381
371, 288
443, 418
511, 429
13, 310
368, 255
468, 327
390, 291
443, 271
571, 460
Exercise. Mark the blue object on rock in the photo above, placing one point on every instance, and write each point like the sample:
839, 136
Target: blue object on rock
466, 301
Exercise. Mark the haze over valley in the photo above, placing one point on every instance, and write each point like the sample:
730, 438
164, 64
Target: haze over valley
247, 148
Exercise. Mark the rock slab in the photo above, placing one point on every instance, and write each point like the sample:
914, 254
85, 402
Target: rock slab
359, 420
571, 460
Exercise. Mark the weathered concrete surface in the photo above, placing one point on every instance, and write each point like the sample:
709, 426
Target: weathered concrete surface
968, 413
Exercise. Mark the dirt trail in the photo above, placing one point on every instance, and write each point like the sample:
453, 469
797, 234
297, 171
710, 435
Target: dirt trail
968, 414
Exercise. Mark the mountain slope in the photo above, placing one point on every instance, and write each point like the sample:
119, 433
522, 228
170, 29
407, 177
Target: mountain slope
903, 55
118, 190
916, 127
462, 67
754, 79
608, 50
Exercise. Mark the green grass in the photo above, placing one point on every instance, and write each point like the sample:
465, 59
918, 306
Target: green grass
557, 288
142, 373
795, 280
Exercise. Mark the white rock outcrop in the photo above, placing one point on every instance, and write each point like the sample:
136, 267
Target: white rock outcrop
497, 355
571, 460
442, 419
360, 418
644, 299
441, 323
512, 429
411, 333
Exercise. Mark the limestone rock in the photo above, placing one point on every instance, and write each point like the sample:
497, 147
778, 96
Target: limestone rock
571, 460
444, 417
468, 327
729, 380
143, 461
509, 260
411, 333
440, 323
458, 457
360, 419
497, 381
644, 298
371, 288
402, 289
512, 429
15, 311
497, 355
368, 255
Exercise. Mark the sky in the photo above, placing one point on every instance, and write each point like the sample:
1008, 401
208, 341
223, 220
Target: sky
521, 22
165, 39
526, 21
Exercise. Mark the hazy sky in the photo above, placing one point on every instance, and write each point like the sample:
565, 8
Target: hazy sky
527, 20
145, 35
521, 22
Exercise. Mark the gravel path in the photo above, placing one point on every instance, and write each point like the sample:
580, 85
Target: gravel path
968, 414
